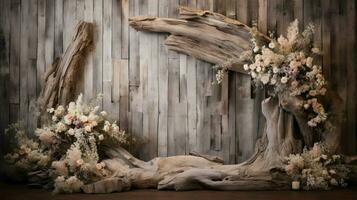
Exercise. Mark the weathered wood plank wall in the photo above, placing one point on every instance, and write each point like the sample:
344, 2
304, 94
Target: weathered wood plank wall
164, 96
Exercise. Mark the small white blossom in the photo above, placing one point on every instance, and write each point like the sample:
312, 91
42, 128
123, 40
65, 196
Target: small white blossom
284, 79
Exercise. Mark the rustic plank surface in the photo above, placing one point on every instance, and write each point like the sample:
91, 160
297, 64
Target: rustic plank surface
167, 97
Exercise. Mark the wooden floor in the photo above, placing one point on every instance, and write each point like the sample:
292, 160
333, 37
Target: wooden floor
20, 192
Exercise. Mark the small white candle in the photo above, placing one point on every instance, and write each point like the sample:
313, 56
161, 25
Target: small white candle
295, 185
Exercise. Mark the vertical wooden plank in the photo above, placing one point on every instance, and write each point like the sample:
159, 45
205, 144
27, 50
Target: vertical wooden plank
326, 39
124, 94
89, 69
80, 10
163, 86
14, 82
107, 58
151, 115
41, 34
23, 61
98, 51
15, 21
58, 28
125, 29
246, 118
4, 68
181, 125
142, 91
135, 124
32, 79
116, 28
175, 143
49, 33
351, 76
203, 84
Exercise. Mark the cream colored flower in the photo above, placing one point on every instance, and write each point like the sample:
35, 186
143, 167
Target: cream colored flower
60, 127
59, 111
258, 69
103, 113
88, 129
265, 78
246, 67
275, 70
83, 118
309, 62
272, 45
71, 131
256, 49
284, 79
50, 110
253, 74
101, 137
106, 128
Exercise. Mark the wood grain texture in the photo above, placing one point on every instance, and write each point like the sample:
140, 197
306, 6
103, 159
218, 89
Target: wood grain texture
157, 93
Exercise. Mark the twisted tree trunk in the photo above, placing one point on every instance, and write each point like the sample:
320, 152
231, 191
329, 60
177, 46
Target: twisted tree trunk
60, 79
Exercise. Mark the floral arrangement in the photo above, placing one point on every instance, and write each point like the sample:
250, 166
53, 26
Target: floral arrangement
68, 152
316, 169
287, 64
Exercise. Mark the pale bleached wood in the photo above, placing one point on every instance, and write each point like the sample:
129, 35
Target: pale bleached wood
163, 86
98, 51
116, 48
117, 28
136, 117
125, 29
233, 32
41, 55
107, 59
152, 83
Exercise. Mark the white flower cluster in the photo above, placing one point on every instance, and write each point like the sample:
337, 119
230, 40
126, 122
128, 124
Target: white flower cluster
287, 65
68, 149
316, 169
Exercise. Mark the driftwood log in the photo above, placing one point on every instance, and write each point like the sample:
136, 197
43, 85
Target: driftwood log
60, 79
217, 39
